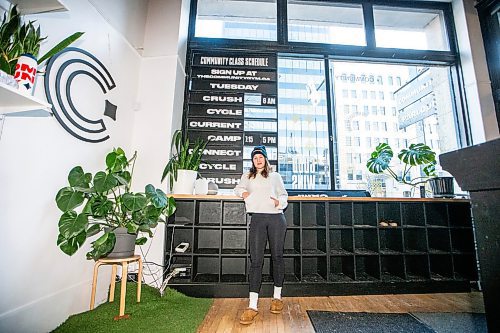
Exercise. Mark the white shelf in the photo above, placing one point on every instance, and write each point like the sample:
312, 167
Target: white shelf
38, 6
12, 101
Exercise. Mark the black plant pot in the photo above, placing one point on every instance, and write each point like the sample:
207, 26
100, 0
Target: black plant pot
442, 187
124, 246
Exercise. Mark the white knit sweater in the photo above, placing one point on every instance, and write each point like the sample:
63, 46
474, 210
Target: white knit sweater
261, 191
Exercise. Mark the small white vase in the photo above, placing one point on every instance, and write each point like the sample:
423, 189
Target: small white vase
25, 73
185, 182
201, 186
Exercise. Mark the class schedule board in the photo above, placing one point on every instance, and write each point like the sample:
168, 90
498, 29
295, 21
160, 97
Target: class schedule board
232, 103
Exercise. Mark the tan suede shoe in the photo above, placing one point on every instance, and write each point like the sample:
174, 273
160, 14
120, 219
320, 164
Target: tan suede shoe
276, 306
248, 316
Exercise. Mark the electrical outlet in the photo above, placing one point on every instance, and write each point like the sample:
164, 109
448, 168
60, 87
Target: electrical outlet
182, 247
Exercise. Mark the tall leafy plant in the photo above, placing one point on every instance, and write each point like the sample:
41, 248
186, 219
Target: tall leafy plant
18, 37
105, 202
184, 157
418, 154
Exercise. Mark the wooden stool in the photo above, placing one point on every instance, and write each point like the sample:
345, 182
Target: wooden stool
124, 262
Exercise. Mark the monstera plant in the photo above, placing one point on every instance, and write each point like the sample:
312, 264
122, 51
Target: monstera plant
418, 154
101, 203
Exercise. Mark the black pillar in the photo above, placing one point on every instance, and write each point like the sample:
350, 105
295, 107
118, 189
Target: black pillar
477, 170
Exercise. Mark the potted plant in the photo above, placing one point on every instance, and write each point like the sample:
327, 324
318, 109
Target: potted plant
442, 186
182, 168
21, 41
108, 207
418, 154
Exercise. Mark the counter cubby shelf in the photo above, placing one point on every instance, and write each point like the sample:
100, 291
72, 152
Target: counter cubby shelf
333, 246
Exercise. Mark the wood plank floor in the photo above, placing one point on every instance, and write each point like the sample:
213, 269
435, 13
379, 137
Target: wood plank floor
224, 314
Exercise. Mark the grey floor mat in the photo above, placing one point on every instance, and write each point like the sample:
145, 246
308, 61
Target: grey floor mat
363, 322
454, 322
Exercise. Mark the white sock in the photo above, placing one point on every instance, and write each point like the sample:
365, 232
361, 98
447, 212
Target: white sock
277, 292
254, 298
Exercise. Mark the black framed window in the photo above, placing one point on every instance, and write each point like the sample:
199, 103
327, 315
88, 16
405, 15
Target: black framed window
236, 19
303, 125
328, 127
424, 112
404, 28
325, 22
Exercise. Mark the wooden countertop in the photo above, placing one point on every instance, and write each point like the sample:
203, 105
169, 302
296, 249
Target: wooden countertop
297, 198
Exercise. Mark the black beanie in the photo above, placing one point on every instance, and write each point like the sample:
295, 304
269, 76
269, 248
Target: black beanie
259, 150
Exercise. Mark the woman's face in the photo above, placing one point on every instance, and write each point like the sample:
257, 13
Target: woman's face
259, 161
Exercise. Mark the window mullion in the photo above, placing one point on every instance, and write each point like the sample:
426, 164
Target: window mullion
331, 122
369, 25
193, 9
282, 22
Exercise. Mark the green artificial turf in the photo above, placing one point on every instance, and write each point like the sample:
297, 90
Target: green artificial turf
174, 312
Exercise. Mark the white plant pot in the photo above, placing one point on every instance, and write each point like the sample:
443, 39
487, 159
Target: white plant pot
185, 182
25, 73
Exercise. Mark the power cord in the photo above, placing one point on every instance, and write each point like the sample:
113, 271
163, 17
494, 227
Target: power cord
159, 271
171, 248
175, 272
165, 270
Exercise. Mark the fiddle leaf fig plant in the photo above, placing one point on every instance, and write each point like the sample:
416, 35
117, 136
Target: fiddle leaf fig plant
418, 154
106, 202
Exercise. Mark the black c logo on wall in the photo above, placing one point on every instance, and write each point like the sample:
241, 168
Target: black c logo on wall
60, 76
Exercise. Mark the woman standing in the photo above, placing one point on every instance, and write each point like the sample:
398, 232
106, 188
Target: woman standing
265, 198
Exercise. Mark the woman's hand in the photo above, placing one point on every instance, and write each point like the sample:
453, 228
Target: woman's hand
245, 195
276, 202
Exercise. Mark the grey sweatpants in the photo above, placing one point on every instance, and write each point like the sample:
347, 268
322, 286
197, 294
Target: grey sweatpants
262, 228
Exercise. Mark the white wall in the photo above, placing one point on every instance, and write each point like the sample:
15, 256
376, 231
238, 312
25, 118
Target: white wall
160, 102
41, 286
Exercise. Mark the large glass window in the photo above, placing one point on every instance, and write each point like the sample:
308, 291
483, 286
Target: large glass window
424, 114
236, 19
325, 22
303, 153
406, 28
328, 123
